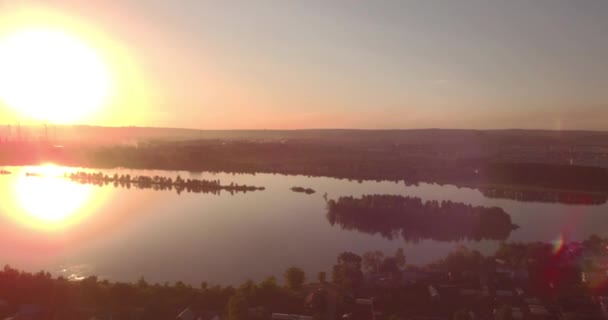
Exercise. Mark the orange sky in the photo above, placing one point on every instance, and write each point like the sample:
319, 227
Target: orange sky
201, 64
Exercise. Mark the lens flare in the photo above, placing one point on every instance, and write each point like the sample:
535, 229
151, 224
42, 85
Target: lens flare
558, 244
41, 199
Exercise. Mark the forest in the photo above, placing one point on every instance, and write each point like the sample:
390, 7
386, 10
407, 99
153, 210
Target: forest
575, 161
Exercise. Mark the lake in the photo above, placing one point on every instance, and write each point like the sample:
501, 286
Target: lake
76, 230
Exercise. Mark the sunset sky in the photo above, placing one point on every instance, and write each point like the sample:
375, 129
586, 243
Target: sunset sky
339, 64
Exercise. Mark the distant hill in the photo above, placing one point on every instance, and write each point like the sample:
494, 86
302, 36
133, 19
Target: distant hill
127, 135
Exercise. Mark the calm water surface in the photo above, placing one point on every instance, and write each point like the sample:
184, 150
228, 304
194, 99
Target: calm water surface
121, 234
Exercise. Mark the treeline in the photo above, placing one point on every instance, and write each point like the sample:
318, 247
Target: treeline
413, 220
58, 298
568, 177
564, 197
379, 161
158, 183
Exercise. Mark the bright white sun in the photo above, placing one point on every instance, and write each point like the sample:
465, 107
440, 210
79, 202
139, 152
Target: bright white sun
48, 75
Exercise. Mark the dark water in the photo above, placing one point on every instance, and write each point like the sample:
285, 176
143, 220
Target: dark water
121, 234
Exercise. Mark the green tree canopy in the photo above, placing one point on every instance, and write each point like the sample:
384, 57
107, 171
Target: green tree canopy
462, 314
322, 276
238, 308
504, 313
294, 278
347, 272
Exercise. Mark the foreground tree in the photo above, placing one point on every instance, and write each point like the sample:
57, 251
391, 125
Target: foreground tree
269, 283
322, 277
294, 278
372, 260
347, 272
238, 308
400, 258
462, 314
504, 313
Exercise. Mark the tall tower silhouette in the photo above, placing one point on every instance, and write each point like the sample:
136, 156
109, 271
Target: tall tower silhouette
18, 131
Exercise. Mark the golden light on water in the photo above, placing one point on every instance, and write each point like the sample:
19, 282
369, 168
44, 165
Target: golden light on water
48, 202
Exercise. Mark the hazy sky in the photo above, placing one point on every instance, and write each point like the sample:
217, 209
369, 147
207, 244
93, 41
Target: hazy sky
361, 64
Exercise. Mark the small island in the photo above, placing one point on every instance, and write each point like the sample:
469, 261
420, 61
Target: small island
33, 174
159, 183
414, 220
303, 190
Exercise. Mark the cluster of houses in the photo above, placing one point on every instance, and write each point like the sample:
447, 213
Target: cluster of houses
483, 295
490, 293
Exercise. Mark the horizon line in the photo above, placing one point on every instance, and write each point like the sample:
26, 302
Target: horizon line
304, 129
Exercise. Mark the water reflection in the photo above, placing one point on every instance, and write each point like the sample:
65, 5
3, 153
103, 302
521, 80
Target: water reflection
123, 234
41, 201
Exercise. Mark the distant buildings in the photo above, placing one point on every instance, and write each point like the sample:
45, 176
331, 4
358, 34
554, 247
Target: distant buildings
285, 316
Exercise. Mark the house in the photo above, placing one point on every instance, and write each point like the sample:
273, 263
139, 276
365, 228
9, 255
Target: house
4, 308
539, 311
30, 312
413, 277
361, 309
433, 293
517, 313
365, 302
504, 293
316, 299
3, 303
285, 316
470, 292
512, 273
580, 307
505, 296
378, 279
594, 279
603, 302
187, 314
102, 316
520, 274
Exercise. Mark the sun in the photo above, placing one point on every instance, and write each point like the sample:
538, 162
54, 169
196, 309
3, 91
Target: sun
49, 75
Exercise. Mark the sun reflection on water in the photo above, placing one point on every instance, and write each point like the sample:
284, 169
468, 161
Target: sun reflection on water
39, 198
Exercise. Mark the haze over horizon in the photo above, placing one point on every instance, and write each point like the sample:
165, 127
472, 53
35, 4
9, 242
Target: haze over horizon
295, 65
